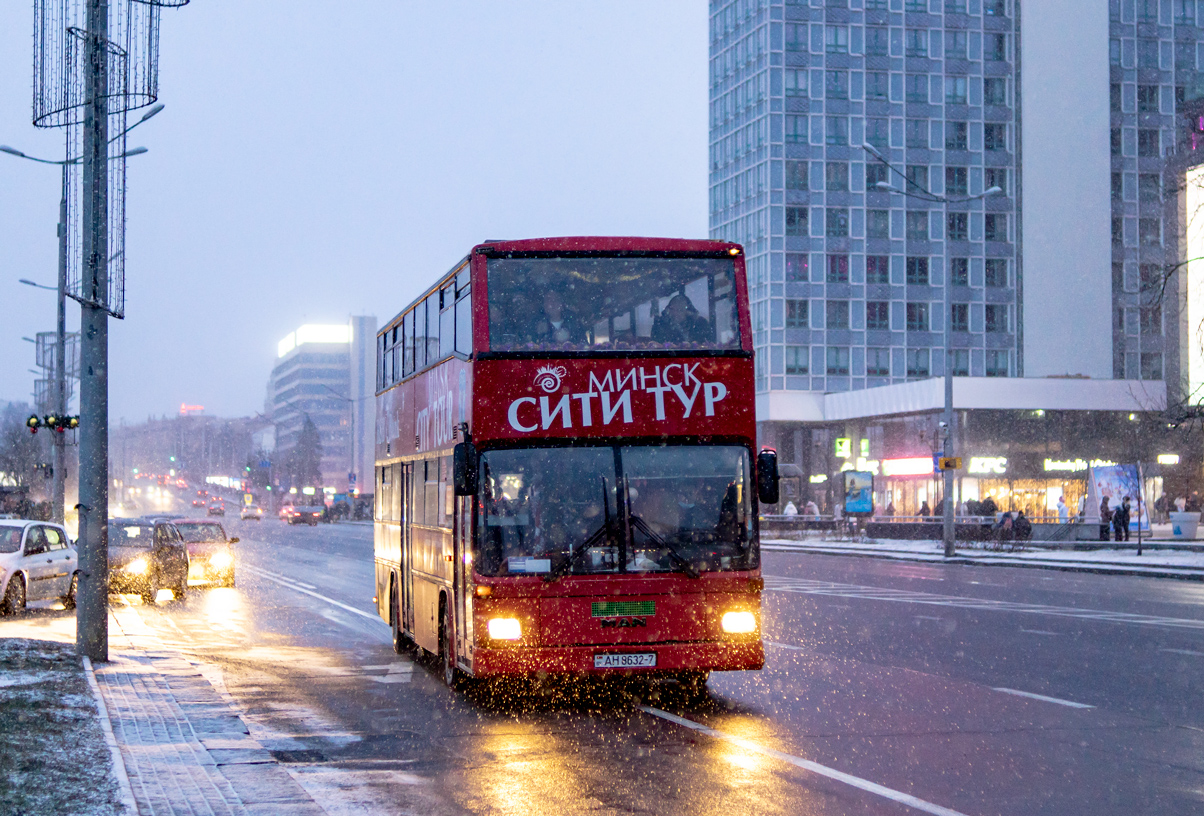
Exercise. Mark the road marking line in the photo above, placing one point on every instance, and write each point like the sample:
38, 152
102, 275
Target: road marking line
807, 765
786, 646
1188, 652
286, 582
775, 583
927, 617
1037, 632
1043, 698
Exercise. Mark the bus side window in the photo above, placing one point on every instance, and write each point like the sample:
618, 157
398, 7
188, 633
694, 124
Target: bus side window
432, 328
384, 488
420, 336
464, 322
407, 344
432, 493
447, 497
380, 362
396, 502
447, 320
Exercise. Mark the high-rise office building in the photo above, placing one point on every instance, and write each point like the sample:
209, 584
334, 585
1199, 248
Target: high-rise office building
325, 372
1067, 106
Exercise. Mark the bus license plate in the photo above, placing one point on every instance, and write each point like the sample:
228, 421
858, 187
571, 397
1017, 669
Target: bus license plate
625, 661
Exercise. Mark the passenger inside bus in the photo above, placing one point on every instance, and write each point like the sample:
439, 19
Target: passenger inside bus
556, 324
680, 322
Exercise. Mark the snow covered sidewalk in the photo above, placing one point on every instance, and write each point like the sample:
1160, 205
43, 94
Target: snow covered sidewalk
185, 749
1158, 563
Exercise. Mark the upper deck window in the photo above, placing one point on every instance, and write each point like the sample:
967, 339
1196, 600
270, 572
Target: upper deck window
606, 304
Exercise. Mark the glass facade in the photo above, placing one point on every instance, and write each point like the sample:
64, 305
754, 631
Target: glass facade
796, 89
1154, 49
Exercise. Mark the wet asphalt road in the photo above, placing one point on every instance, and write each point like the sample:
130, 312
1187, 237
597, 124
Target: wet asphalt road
914, 678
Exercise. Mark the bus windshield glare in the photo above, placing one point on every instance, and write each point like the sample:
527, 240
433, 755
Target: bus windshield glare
608, 303
588, 510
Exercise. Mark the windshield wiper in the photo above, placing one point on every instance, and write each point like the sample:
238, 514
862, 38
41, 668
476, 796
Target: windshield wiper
686, 567
601, 534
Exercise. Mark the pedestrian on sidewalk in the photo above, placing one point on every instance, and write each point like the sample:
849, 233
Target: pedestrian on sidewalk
1181, 503
1193, 502
1120, 520
924, 511
1105, 519
1063, 510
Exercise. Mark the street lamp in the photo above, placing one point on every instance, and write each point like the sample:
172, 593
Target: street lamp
947, 421
58, 501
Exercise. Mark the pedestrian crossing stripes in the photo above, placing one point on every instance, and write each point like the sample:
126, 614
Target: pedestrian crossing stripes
836, 590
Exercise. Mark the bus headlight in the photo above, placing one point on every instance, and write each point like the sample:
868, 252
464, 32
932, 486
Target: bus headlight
739, 623
137, 567
220, 560
505, 629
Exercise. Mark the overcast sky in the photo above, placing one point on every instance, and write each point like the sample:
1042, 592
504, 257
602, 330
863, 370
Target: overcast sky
314, 162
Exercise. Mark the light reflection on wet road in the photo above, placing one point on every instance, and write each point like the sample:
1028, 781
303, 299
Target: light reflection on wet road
896, 694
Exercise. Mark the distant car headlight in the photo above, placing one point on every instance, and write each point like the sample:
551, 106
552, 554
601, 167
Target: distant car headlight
505, 629
739, 623
220, 560
137, 567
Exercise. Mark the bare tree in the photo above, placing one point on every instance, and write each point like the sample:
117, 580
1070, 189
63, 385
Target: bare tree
19, 449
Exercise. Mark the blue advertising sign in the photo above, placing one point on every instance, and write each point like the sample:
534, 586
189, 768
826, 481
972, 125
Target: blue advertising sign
858, 493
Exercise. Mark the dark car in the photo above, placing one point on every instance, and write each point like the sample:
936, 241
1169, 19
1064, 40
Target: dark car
306, 515
146, 555
210, 557
217, 508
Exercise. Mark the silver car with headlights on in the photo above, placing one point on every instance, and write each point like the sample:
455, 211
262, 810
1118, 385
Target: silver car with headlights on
146, 555
209, 552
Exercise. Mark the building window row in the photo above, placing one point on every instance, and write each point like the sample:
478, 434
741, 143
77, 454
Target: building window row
916, 225
917, 133
917, 316
884, 41
917, 362
916, 270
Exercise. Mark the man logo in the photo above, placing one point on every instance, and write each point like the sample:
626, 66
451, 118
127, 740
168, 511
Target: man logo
623, 623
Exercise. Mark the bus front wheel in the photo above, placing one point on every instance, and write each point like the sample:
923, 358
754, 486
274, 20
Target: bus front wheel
451, 675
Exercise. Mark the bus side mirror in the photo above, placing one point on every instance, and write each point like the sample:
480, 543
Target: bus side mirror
464, 465
767, 477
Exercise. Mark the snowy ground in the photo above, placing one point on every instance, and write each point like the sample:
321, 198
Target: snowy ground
924, 550
53, 757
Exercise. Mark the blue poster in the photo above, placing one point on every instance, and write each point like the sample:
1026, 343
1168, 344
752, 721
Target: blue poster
1116, 482
858, 493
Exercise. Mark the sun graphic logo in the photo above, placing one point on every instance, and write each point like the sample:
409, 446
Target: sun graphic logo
548, 378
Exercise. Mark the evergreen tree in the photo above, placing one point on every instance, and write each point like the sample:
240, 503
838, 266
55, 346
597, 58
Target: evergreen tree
306, 456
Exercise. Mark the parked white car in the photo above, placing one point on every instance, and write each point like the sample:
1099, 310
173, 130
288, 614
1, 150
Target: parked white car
37, 563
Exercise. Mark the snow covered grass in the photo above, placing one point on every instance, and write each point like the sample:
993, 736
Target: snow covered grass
53, 757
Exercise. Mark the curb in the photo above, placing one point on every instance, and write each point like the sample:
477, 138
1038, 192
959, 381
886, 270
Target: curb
106, 725
1175, 573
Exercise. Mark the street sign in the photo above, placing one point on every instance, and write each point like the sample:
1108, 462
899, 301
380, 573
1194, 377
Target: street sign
351, 478
950, 463
265, 464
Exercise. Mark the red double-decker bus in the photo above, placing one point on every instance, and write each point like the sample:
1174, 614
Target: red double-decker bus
566, 474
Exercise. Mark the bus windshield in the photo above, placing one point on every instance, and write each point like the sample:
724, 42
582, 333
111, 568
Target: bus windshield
586, 510
603, 304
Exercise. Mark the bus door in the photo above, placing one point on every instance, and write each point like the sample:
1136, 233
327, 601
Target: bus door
405, 480
462, 546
